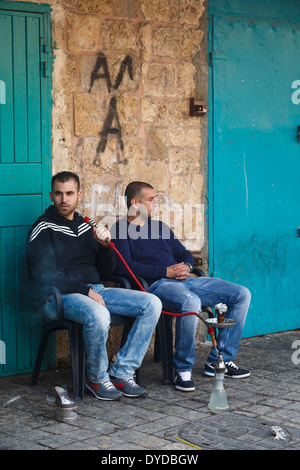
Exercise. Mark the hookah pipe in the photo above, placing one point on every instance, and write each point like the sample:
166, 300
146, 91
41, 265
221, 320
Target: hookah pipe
110, 244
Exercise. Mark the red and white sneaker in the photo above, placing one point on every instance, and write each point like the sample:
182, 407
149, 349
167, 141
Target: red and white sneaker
128, 387
103, 390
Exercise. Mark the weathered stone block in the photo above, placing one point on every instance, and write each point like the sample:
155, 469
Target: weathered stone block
191, 11
196, 189
145, 32
159, 79
106, 74
92, 160
184, 160
148, 110
128, 112
157, 148
83, 32
130, 8
88, 114
179, 190
155, 173
176, 42
101, 7
186, 86
133, 152
183, 136
119, 35
160, 10
176, 112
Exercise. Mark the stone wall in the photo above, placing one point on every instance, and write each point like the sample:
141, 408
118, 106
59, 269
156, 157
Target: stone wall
123, 75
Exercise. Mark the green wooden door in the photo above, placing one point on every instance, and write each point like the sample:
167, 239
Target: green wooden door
25, 169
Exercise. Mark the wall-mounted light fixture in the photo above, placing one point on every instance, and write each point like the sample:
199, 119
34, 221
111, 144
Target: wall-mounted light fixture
197, 108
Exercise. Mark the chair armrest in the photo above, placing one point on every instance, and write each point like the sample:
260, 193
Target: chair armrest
126, 281
40, 294
122, 280
142, 281
198, 272
58, 301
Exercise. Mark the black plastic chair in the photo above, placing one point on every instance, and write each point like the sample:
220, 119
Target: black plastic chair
77, 351
75, 339
163, 346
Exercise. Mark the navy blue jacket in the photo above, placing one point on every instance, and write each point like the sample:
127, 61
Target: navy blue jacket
148, 250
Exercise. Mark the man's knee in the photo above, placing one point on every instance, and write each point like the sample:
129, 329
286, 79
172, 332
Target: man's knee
155, 305
98, 317
244, 295
190, 302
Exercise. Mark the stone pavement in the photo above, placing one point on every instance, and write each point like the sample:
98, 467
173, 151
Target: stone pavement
167, 420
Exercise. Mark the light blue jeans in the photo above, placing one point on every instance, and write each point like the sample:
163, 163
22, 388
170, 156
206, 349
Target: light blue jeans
189, 296
145, 308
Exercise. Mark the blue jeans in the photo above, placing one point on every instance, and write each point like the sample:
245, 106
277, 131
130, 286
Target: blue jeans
189, 296
143, 307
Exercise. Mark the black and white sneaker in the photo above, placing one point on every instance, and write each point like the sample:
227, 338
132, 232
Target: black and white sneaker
234, 372
209, 369
184, 382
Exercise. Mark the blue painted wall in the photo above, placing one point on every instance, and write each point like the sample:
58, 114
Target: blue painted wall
254, 156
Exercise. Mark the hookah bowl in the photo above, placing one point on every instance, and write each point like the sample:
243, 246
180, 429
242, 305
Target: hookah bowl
218, 399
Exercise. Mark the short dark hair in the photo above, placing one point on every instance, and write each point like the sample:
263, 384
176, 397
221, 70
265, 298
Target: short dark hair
64, 176
134, 189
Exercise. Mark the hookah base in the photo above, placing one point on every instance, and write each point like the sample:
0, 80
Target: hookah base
218, 399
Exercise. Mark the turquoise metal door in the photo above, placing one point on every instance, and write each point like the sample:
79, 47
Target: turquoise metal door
255, 162
25, 169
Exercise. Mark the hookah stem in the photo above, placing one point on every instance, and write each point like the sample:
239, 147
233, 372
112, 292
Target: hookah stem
212, 334
112, 245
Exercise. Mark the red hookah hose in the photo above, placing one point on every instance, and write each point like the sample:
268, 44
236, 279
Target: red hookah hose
112, 246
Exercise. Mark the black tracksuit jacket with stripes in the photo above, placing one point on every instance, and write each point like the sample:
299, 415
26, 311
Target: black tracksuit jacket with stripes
64, 253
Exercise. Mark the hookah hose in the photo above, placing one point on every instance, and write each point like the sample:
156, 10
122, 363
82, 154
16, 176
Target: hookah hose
111, 245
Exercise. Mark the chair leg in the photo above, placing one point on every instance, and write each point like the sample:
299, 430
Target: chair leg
78, 360
126, 330
39, 357
156, 356
164, 328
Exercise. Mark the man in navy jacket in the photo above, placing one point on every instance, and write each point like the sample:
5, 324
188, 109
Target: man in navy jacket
152, 251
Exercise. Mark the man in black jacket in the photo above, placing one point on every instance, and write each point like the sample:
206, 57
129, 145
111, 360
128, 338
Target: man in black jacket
66, 252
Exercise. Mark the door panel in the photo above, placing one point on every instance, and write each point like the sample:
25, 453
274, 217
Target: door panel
256, 166
25, 167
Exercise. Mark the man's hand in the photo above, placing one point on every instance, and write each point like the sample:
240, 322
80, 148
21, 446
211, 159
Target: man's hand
178, 271
101, 234
96, 297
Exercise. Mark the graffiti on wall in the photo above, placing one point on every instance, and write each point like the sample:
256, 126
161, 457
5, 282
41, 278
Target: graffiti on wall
112, 122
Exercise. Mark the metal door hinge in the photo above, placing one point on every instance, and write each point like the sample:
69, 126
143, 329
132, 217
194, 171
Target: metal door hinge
215, 55
45, 70
45, 60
